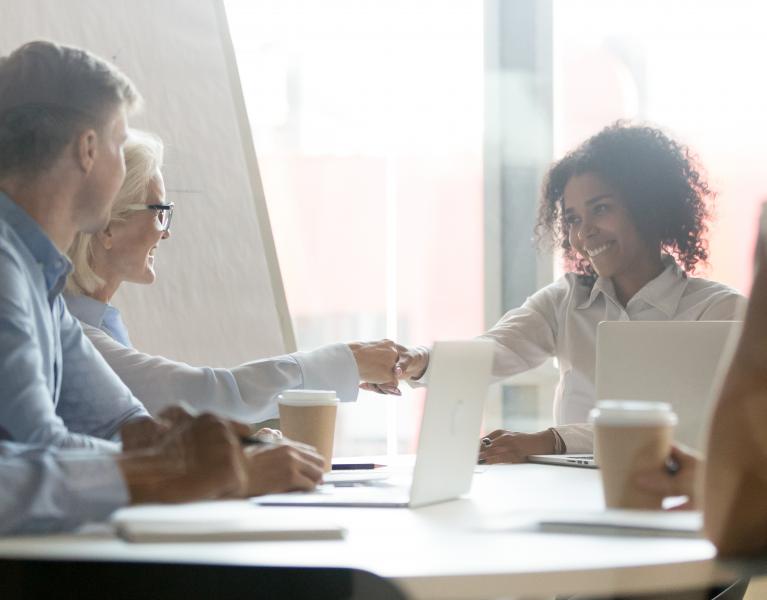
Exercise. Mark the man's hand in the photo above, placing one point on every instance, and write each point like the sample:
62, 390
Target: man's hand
678, 478
199, 459
146, 432
508, 447
283, 468
142, 433
377, 365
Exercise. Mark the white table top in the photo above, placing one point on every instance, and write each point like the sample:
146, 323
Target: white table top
460, 549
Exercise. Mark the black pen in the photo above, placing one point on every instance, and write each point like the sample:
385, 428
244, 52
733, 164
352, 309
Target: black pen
354, 466
260, 439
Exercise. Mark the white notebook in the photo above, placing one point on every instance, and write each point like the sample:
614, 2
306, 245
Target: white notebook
223, 521
659, 523
677, 523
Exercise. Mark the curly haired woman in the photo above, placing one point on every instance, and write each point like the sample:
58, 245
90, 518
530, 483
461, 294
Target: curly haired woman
628, 208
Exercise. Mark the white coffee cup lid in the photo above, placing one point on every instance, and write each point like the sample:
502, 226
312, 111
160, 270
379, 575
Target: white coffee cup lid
632, 412
308, 397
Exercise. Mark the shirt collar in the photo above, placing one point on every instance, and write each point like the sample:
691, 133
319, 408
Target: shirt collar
664, 292
86, 309
54, 264
98, 314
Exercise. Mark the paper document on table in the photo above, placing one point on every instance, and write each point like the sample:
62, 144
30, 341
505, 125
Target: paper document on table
605, 522
630, 522
222, 521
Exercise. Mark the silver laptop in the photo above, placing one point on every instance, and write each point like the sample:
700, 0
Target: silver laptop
666, 361
566, 460
448, 443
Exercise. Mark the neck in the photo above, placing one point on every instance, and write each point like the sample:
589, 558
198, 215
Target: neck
105, 292
628, 284
49, 202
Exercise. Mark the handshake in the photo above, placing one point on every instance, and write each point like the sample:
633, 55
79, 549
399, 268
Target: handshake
181, 457
384, 363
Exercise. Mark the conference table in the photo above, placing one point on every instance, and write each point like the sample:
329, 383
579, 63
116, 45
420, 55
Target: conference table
483, 545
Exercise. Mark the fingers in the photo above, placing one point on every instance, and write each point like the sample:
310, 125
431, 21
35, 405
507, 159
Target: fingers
241, 430
376, 361
284, 468
501, 446
142, 433
268, 432
213, 457
506, 453
382, 388
412, 362
659, 482
504, 457
178, 413
685, 456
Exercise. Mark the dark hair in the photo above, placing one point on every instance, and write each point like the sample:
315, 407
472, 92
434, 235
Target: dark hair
48, 93
659, 180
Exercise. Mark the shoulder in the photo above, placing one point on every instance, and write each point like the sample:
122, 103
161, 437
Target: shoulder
13, 252
559, 296
568, 287
714, 299
16, 267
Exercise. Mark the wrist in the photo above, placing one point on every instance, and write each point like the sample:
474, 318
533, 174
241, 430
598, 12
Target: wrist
148, 476
420, 362
547, 442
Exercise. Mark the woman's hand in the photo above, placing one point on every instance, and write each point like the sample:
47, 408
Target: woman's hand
677, 478
508, 447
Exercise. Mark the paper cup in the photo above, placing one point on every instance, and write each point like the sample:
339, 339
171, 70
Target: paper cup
309, 416
631, 436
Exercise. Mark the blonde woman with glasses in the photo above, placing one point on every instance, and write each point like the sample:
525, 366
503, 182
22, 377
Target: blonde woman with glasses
125, 252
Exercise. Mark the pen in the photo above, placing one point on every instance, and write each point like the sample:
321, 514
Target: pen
260, 439
269, 440
352, 466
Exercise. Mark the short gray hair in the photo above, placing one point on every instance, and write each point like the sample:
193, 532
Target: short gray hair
48, 94
143, 160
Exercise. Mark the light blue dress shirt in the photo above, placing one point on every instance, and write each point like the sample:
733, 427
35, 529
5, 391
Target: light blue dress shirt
99, 314
44, 490
56, 389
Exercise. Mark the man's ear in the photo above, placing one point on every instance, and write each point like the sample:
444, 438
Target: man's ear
86, 150
105, 237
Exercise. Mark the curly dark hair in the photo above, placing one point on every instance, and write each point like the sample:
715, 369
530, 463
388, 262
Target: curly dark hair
660, 181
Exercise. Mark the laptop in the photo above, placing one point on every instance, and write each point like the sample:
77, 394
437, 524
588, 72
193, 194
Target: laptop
665, 361
448, 443
564, 460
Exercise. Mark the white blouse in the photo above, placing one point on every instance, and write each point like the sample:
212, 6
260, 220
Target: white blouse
561, 321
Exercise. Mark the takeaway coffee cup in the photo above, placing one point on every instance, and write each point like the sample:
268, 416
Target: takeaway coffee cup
309, 416
631, 436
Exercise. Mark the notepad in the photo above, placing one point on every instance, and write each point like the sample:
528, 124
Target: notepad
605, 522
224, 521
682, 523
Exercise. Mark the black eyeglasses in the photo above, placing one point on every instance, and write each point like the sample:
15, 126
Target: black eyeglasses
164, 212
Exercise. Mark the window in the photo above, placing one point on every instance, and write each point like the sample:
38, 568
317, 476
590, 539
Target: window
368, 124
402, 144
